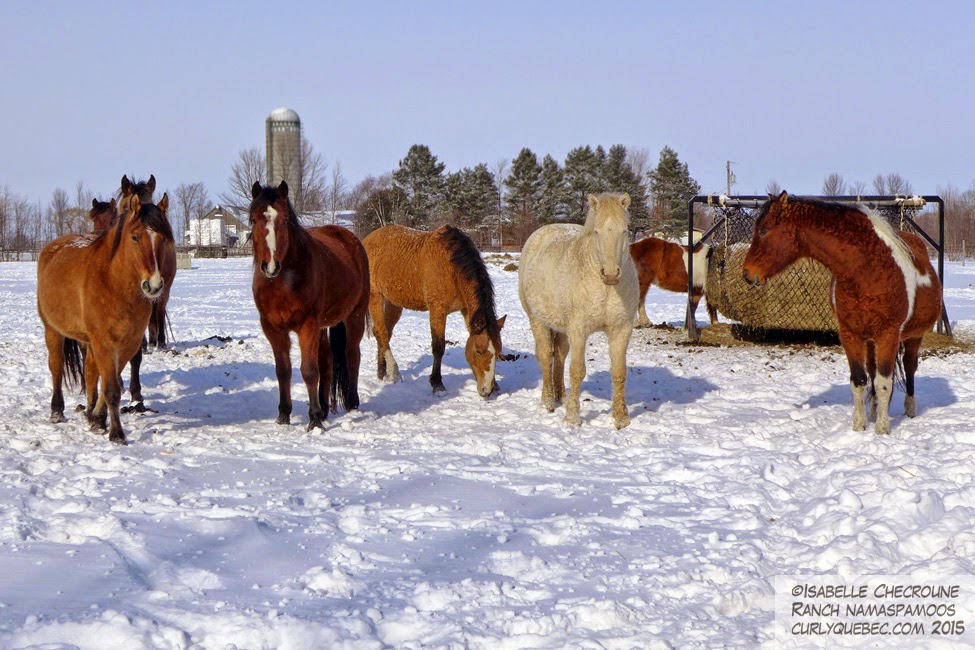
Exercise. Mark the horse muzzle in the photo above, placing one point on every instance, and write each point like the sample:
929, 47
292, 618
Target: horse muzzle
153, 287
271, 269
754, 280
611, 280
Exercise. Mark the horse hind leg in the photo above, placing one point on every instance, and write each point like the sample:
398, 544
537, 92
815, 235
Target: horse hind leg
577, 372
544, 343
871, 392
886, 350
855, 353
96, 412
911, 348
561, 351
55, 363
384, 316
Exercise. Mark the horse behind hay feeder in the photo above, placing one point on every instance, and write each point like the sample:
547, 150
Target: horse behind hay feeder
573, 281
440, 272
884, 291
315, 282
96, 291
663, 263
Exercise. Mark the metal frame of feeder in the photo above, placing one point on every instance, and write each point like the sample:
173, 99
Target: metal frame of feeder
722, 201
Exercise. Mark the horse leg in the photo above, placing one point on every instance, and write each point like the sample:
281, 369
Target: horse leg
712, 311
438, 327
855, 349
111, 396
911, 348
281, 347
643, 320
871, 395
577, 372
135, 384
97, 419
543, 354
887, 349
355, 329
313, 341
561, 348
618, 340
55, 363
384, 315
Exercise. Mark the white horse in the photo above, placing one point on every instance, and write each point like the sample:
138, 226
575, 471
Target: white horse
573, 281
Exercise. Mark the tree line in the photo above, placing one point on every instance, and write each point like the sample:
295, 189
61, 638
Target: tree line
498, 204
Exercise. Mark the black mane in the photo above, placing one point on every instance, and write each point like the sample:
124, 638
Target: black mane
155, 219
830, 207
470, 267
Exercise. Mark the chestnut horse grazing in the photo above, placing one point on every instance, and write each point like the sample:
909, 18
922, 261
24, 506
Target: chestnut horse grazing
96, 291
663, 263
440, 272
573, 281
314, 282
884, 289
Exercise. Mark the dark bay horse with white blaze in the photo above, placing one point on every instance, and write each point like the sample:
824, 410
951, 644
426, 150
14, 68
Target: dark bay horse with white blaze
315, 282
440, 272
96, 291
885, 290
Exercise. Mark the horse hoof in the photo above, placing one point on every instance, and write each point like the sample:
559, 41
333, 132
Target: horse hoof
315, 424
137, 407
439, 391
622, 423
283, 419
58, 418
573, 420
118, 439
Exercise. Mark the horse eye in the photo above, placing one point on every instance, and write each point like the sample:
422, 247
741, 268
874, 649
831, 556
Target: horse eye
135, 238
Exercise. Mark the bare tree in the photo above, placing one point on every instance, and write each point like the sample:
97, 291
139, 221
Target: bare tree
337, 190
773, 187
59, 212
26, 218
834, 185
857, 188
192, 201
314, 180
892, 183
639, 161
250, 167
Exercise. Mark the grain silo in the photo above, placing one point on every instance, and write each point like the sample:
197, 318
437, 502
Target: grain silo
283, 141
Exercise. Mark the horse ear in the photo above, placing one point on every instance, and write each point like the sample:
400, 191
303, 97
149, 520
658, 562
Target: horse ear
163, 203
593, 201
134, 204
625, 200
501, 321
783, 198
283, 190
94, 203
113, 205
151, 183
126, 185
255, 189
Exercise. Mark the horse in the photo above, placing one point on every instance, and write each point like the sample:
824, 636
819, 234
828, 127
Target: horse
165, 254
664, 264
885, 291
441, 272
315, 282
102, 214
575, 280
96, 291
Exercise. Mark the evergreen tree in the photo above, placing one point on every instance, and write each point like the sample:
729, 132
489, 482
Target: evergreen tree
620, 177
672, 187
554, 192
471, 196
420, 177
582, 177
524, 184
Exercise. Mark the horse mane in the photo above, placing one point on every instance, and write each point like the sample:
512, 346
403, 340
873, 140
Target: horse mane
140, 189
154, 218
470, 267
119, 227
269, 196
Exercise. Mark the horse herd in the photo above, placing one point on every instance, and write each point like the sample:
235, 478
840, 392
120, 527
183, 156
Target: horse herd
98, 293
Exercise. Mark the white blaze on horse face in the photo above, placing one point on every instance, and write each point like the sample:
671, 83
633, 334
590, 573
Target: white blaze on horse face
156, 280
272, 242
487, 383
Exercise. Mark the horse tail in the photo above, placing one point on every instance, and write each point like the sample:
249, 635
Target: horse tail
74, 364
342, 385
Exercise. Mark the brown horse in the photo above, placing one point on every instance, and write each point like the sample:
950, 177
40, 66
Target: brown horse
102, 215
314, 282
96, 290
662, 263
884, 289
165, 255
440, 272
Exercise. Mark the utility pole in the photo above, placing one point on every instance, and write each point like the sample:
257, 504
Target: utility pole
730, 175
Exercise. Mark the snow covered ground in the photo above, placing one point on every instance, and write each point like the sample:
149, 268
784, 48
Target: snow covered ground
456, 522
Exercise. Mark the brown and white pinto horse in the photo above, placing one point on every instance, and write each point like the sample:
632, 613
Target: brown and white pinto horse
884, 289
96, 291
314, 282
440, 272
663, 263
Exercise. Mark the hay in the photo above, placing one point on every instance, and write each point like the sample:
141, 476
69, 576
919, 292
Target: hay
796, 299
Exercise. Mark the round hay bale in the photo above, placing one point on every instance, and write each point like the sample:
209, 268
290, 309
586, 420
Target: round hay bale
795, 299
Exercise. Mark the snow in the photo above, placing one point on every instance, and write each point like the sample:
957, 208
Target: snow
459, 522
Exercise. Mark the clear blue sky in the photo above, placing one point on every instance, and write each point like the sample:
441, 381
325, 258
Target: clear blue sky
789, 91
